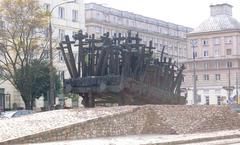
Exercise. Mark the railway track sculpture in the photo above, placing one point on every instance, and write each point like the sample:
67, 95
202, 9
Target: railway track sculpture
119, 70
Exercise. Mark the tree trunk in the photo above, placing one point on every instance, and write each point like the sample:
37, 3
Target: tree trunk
27, 102
32, 103
27, 105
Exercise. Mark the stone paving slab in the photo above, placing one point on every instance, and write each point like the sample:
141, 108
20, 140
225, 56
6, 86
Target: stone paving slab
214, 138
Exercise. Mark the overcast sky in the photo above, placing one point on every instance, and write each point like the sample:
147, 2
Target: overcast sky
184, 12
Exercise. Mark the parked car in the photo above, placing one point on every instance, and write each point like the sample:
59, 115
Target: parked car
17, 113
2, 117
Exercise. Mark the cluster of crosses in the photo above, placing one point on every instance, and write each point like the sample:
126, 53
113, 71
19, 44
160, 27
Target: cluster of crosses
103, 65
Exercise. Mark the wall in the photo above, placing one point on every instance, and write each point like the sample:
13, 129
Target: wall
142, 120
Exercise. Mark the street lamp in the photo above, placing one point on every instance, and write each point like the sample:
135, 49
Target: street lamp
194, 45
52, 88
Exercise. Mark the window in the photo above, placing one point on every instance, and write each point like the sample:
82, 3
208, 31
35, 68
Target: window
194, 65
216, 41
74, 15
195, 77
205, 42
229, 51
114, 20
60, 56
106, 17
119, 20
229, 64
61, 34
205, 53
218, 91
228, 40
207, 100
206, 77
205, 65
216, 51
164, 31
219, 100
217, 64
61, 12
126, 22
199, 99
205, 91
74, 33
217, 77
46, 7
98, 30
194, 55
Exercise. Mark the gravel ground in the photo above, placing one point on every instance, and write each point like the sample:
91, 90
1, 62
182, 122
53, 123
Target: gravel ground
39, 122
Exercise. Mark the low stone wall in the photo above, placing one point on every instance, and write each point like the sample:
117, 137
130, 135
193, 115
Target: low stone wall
126, 123
147, 119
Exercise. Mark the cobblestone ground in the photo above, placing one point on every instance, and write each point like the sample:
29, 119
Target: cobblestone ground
39, 122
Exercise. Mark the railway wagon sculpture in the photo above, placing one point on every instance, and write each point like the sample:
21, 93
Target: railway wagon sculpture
119, 70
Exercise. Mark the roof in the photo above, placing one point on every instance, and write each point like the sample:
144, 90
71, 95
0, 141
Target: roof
217, 23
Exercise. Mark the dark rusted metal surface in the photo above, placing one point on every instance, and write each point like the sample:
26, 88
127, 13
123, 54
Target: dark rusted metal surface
109, 65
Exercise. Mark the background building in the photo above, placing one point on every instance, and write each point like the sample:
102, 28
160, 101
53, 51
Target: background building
66, 19
216, 57
101, 19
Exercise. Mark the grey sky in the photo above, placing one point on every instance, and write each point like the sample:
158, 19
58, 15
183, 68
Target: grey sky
184, 12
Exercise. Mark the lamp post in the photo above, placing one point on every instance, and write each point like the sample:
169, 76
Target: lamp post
178, 53
229, 80
194, 45
52, 86
237, 87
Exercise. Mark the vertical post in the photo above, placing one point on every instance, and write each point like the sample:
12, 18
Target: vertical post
52, 82
194, 43
237, 88
229, 81
51, 92
79, 54
177, 52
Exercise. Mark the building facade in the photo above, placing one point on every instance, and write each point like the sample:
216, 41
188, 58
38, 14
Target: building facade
101, 19
66, 19
215, 44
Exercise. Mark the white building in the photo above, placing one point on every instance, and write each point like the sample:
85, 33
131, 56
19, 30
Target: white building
67, 19
217, 57
101, 19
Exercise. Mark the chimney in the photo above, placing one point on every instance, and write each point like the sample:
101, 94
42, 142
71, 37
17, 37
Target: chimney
221, 9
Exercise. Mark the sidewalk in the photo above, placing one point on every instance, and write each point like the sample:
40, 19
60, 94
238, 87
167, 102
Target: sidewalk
213, 138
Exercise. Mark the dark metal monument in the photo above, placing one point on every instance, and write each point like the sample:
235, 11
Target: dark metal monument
119, 70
